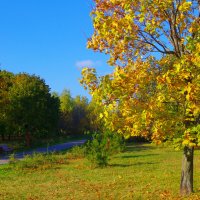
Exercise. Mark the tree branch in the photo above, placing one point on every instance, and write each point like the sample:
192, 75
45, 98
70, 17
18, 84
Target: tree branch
148, 41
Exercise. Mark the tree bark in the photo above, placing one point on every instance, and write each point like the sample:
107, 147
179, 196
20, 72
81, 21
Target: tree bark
2, 136
186, 186
28, 138
9, 137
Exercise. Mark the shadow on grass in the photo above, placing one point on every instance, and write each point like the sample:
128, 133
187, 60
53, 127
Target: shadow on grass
134, 164
136, 156
138, 147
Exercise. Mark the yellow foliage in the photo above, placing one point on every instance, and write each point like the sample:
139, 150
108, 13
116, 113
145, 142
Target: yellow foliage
154, 96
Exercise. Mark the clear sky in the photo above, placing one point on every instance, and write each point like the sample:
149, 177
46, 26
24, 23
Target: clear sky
48, 38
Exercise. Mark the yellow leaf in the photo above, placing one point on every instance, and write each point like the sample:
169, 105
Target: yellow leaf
101, 115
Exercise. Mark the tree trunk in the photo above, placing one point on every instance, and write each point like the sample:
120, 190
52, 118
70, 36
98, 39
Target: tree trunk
9, 137
28, 138
186, 186
2, 136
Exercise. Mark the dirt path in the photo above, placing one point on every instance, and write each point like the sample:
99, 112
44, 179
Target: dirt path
54, 148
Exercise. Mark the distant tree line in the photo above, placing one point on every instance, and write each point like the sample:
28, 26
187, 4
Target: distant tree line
28, 109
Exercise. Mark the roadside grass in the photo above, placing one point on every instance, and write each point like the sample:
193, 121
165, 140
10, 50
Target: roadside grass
141, 172
20, 146
38, 161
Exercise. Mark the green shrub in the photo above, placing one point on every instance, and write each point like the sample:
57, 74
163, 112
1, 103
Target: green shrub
12, 159
102, 146
76, 152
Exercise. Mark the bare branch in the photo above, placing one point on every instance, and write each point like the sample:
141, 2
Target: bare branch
157, 41
146, 41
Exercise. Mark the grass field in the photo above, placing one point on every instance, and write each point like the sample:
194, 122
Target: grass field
141, 172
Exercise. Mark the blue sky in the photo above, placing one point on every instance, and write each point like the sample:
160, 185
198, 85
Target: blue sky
48, 38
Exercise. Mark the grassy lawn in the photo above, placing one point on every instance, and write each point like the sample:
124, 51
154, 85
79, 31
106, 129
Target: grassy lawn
141, 172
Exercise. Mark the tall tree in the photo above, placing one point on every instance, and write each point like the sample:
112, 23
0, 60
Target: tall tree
66, 107
66, 101
79, 115
32, 109
73, 119
5, 84
154, 90
94, 110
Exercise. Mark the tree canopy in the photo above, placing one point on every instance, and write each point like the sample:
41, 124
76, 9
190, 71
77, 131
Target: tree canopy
144, 82
154, 90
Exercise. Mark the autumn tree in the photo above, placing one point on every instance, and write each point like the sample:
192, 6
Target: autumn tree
154, 90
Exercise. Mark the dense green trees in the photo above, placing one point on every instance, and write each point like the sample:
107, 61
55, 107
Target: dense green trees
66, 107
29, 110
75, 114
32, 107
27, 107
94, 111
5, 84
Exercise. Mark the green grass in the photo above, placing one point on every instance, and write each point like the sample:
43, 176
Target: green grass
141, 172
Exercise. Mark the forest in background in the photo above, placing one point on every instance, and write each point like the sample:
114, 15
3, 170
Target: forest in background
29, 110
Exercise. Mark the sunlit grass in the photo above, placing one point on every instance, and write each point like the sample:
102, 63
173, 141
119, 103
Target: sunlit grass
141, 172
